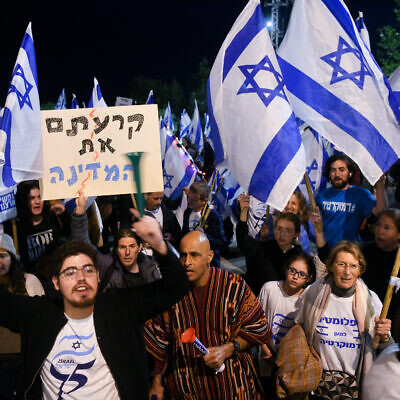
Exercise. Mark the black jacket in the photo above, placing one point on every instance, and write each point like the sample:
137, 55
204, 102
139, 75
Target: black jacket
270, 258
118, 318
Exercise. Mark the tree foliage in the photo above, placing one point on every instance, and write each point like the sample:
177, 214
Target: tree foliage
389, 44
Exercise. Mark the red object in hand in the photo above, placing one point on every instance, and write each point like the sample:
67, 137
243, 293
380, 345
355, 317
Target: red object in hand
189, 336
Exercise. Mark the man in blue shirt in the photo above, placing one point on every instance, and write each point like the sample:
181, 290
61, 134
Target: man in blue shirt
344, 207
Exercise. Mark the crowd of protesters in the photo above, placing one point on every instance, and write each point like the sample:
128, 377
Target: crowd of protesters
105, 313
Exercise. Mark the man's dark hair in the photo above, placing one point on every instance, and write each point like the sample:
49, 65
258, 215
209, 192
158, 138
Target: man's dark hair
201, 188
72, 249
351, 166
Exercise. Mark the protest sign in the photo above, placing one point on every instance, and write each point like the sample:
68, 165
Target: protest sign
84, 149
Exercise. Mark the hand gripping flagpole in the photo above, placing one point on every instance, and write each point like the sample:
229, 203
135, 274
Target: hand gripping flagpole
312, 199
394, 282
189, 336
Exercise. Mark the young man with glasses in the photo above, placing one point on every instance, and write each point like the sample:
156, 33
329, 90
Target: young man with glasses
90, 345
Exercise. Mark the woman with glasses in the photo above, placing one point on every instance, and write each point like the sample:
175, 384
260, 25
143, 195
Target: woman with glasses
340, 317
280, 301
15, 280
270, 256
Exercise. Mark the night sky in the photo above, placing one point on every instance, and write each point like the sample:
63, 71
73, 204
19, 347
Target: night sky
115, 40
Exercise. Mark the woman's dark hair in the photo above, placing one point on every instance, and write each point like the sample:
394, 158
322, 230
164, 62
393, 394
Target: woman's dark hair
302, 255
123, 233
291, 218
21, 201
351, 166
17, 277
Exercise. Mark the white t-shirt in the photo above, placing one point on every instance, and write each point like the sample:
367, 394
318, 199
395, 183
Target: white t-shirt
281, 311
158, 215
338, 339
194, 219
75, 367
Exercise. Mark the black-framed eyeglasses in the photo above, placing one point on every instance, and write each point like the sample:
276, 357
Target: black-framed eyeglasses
294, 272
72, 272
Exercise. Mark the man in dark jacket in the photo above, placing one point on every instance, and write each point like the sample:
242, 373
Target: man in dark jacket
90, 344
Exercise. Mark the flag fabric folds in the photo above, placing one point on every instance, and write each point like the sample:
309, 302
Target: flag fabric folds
336, 87
61, 102
169, 121
316, 156
96, 100
178, 170
74, 103
184, 124
150, 98
20, 123
195, 133
362, 29
253, 128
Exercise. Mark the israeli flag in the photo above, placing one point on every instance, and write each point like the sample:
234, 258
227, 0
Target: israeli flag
253, 129
96, 100
256, 216
74, 103
337, 88
169, 121
184, 124
178, 170
195, 133
61, 102
316, 156
394, 81
207, 128
20, 123
228, 191
362, 29
150, 97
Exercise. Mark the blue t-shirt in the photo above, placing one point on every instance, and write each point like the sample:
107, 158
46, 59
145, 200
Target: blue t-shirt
343, 212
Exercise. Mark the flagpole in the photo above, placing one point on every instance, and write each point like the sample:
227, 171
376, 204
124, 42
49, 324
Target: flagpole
134, 201
203, 211
318, 226
389, 294
15, 234
204, 219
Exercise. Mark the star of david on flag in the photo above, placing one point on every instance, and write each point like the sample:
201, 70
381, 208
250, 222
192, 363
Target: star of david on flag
20, 124
250, 85
339, 73
340, 92
253, 128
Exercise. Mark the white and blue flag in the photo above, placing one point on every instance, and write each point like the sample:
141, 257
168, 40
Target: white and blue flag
74, 103
316, 156
362, 29
207, 128
253, 129
150, 97
178, 170
61, 102
195, 133
169, 121
184, 124
20, 123
96, 100
394, 81
336, 87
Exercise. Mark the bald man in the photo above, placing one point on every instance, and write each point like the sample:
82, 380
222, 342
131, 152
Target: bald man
227, 319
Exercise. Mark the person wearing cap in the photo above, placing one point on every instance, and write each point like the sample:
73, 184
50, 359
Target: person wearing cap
13, 279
